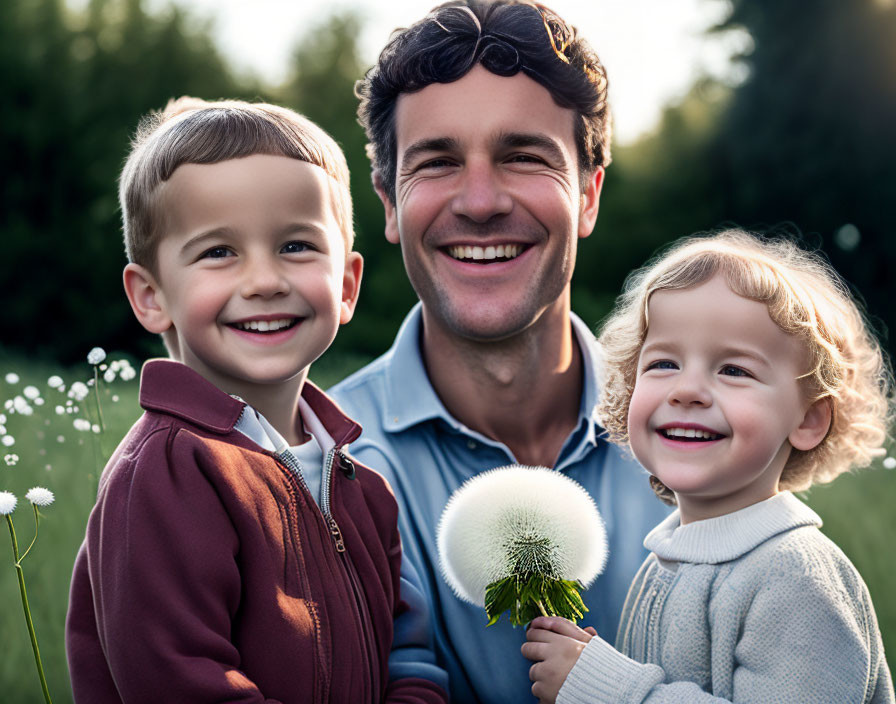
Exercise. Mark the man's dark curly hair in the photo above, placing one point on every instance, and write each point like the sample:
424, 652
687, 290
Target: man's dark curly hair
506, 37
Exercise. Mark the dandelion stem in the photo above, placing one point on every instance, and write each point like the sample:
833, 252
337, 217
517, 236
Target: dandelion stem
33, 540
96, 389
21, 575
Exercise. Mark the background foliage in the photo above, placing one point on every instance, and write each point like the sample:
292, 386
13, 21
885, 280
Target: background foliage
804, 144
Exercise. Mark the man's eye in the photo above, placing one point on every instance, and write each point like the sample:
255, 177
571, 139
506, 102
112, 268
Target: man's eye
295, 247
525, 159
216, 253
731, 370
434, 164
661, 364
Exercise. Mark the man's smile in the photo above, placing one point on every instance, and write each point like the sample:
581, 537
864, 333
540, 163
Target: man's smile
487, 254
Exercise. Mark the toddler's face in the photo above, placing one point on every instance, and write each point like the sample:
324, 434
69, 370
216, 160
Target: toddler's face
717, 405
253, 273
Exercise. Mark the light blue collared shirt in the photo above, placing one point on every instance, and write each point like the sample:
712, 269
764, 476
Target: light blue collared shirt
426, 454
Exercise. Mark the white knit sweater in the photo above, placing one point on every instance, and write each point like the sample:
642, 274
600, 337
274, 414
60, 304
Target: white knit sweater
754, 606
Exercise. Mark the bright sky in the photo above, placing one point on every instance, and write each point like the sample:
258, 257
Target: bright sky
652, 49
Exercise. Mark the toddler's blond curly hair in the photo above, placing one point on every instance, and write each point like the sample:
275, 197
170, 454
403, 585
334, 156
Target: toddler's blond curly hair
805, 297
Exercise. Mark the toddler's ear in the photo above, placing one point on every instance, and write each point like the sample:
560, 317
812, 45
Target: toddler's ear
815, 425
351, 286
146, 298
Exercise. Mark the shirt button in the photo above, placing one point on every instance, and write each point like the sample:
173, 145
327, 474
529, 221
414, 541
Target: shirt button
471, 444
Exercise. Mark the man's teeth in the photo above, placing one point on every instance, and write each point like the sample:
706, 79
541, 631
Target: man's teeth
501, 251
690, 433
265, 325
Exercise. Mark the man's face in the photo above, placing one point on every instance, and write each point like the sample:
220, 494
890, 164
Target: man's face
488, 202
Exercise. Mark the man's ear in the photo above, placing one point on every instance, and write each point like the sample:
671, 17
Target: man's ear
590, 200
388, 206
815, 425
351, 286
146, 298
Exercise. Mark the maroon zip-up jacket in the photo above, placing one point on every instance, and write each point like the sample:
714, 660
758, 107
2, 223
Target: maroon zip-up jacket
209, 574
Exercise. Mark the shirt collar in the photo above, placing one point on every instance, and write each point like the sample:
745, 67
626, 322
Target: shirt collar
411, 399
728, 537
173, 388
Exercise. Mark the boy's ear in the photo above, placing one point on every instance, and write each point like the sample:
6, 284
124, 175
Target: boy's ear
388, 206
590, 200
815, 425
146, 298
351, 286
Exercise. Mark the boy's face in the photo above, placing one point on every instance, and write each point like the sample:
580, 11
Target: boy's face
253, 278
717, 405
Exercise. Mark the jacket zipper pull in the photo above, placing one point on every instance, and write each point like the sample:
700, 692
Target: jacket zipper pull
336, 533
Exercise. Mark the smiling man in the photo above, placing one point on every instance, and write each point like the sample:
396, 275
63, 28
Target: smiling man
489, 133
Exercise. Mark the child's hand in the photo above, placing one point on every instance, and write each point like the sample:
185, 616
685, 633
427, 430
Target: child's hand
554, 644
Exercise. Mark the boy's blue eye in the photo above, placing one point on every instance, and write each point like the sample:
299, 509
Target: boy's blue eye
661, 364
731, 370
295, 247
216, 253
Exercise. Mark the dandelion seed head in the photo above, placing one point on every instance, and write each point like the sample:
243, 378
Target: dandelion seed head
90, 382
8, 503
12, 378
109, 376
20, 405
8, 441
2, 419
60, 438
114, 398
104, 367
60, 410
55, 381
48, 467
78, 391
127, 372
11, 460
890, 463
96, 428
81, 424
31, 392
2, 429
39, 401
96, 355
515, 520
40, 496
7, 404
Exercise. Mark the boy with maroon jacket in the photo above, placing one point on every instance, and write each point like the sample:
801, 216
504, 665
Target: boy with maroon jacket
235, 552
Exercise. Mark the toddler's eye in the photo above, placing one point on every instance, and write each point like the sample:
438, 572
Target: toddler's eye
661, 364
216, 253
731, 370
295, 248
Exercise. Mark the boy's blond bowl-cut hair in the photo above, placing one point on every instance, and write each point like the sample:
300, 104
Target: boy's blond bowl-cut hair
194, 131
805, 297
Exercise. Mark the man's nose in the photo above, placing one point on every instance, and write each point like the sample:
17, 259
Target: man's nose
690, 389
262, 277
481, 194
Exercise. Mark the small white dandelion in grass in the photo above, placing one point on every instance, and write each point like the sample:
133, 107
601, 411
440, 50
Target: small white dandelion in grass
12, 378
7, 404
81, 424
96, 428
104, 367
8, 503
523, 539
55, 381
108, 376
2, 419
91, 382
2, 429
96, 355
127, 373
40, 496
21, 406
8, 441
31, 392
60, 438
11, 460
60, 410
48, 467
78, 391
114, 398
890, 463
39, 401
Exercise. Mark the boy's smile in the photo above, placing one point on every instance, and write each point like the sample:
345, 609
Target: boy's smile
253, 278
717, 405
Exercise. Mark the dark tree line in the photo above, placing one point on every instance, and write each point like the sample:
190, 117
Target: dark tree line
806, 144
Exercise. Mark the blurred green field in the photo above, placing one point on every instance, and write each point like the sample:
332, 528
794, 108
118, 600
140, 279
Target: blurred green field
857, 511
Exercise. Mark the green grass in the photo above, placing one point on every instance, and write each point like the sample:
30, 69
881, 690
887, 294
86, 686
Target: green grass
857, 511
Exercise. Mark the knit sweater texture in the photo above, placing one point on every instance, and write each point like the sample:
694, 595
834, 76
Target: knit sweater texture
753, 606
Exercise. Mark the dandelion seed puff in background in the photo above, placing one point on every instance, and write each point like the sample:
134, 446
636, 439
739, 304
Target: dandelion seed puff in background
8, 441
81, 425
55, 381
890, 463
12, 378
8, 503
78, 391
11, 459
96, 356
486, 518
40, 496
